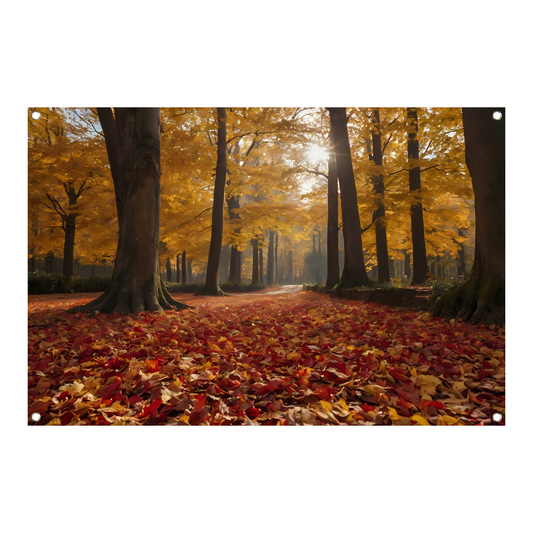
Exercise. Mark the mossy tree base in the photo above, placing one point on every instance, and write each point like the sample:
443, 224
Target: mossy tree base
476, 301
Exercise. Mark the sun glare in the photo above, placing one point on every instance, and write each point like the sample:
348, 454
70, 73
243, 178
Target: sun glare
317, 153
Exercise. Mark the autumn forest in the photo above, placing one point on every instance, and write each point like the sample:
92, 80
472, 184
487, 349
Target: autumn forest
266, 266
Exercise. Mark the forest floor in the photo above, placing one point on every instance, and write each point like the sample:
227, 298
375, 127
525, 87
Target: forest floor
274, 357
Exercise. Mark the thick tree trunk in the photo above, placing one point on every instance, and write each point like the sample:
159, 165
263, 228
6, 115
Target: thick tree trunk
178, 268
184, 267
420, 264
333, 276
215, 248
354, 272
481, 298
136, 284
379, 214
255, 261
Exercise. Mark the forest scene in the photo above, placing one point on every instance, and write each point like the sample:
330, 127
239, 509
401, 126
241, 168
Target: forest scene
284, 266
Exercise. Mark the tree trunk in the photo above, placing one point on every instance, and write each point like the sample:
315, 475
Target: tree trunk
68, 249
32, 264
184, 267
481, 298
379, 214
211, 287
290, 268
354, 272
270, 260
407, 264
461, 266
420, 264
235, 255
261, 265
169, 270
136, 283
178, 268
276, 277
255, 261
333, 225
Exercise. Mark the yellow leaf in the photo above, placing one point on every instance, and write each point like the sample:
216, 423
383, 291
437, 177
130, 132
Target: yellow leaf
449, 420
185, 418
413, 372
343, 404
459, 386
326, 405
420, 420
393, 414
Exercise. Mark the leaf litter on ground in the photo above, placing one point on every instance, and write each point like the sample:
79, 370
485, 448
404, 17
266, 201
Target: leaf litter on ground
295, 359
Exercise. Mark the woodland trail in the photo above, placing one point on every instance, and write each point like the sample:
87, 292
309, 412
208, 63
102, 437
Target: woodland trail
286, 358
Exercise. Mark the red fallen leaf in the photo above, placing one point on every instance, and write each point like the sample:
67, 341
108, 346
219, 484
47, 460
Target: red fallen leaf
200, 401
152, 365
63, 395
324, 392
438, 405
271, 386
132, 400
152, 408
366, 408
66, 418
253, 412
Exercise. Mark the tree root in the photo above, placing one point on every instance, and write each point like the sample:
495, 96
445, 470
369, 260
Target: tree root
123, 300
475, 301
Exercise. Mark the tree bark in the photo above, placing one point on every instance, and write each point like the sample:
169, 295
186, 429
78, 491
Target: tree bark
407, 264
461, 266
178, 268
270, 260
290, 267
333, 276
217, 227
169, 270
184, 266
136, 284
255, 261
481, 298
261, 265
420, 264
235, 255
354, 272
379, 214
276, 275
